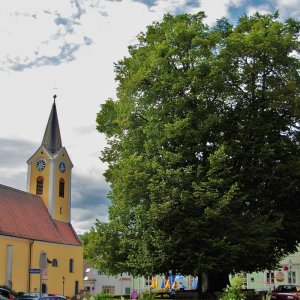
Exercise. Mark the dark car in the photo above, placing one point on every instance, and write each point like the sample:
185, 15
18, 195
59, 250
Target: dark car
31, 296
57, 297
7, 294
287, 291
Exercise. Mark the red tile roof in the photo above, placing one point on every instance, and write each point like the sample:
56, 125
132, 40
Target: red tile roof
25, 215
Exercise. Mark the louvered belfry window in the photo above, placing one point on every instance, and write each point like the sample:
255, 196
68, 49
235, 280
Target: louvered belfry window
39, 185
71, 265
61, 188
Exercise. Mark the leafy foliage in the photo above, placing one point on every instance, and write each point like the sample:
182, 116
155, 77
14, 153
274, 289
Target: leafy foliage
203, 149
234, 291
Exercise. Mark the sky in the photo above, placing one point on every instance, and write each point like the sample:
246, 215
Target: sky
68, 48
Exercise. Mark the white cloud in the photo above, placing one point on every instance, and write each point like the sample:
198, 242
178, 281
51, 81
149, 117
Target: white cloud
216, 10
71, 45
170, 6
288, 8
262, 9
30, 30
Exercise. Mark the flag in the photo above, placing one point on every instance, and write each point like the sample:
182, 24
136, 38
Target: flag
194, 283
154, 282
163, 284
167, 286
175, 285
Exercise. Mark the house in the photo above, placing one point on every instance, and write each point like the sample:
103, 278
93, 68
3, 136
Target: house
123, 284
97, 282
39, 249
288, 272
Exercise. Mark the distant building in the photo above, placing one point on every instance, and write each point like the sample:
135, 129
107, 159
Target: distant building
123, 284
35, 230
288, 272
95, 282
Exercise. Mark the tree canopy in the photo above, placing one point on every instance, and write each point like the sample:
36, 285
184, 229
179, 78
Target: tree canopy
203, 149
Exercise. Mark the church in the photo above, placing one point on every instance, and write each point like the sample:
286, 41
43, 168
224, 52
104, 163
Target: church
39, 249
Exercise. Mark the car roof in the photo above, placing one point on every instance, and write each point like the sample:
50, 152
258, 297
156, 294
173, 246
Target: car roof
288, 285
286, 288
34, 294
58, 297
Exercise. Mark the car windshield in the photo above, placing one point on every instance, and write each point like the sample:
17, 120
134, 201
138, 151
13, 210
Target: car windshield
286, 289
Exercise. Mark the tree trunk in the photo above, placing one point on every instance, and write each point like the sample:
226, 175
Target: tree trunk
211, 285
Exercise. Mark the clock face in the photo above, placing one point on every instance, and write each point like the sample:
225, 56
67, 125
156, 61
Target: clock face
62, 167
40, 165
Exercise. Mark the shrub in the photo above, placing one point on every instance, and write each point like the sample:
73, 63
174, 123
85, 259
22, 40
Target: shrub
234, 291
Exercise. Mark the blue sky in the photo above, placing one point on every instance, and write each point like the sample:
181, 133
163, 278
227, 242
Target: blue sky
68, 48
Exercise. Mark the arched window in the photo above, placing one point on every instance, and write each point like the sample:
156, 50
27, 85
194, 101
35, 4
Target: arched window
76, 287
61, 187
39, 185
54, 262
44, 288
71, 265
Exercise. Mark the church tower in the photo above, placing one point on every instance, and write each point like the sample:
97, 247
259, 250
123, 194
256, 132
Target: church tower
49, 171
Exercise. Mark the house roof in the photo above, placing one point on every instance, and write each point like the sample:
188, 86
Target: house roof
25, 215
52, 140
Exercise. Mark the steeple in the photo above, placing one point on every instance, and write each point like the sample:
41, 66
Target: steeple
50, 171
52, 139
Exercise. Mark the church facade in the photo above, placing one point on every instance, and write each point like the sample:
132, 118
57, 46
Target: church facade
39, 249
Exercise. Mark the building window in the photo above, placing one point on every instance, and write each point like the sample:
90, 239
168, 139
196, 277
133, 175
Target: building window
108, 289
270, 277
61, 188
148, 280
60, 210
44, 288
127, 290
71, 265
291, 277
76, 287
39, 185
54, 262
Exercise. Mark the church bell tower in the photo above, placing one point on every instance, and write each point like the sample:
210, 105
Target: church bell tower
49, 171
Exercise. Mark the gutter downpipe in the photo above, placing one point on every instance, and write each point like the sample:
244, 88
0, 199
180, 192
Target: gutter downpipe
30, 259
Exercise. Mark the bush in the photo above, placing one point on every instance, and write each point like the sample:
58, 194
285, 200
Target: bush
101, 296
148, 296
234, 292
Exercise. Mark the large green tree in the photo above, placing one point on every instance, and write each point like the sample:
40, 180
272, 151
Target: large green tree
203, 149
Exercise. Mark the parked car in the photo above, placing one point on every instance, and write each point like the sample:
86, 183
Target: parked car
31, 296
286, 292
57, 297
34, 295
7, 294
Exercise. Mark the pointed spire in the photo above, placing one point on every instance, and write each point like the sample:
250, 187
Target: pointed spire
52, 139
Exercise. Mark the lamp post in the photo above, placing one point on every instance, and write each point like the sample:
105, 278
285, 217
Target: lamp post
63, 283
